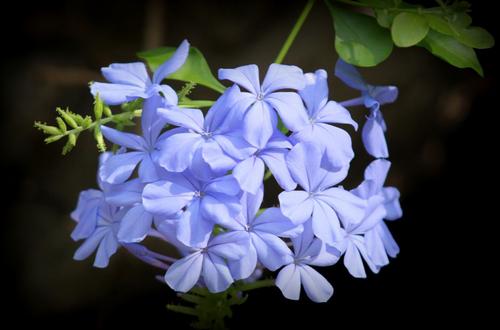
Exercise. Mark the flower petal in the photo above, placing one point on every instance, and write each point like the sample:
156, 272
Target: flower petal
288, 281
334, 113
193, 229
280, 76
326, 224
166, 198
216, 273
296, 205
349, 207
275, 160
317, 288
134, 74
259, 123
173, 64
184, 273
272, 221
135, 225
128, 140
244, 267
119, 167
374, 139
272, 251
290, 109
115, 94
349, 75
246, 76
250, 174
221, 209
187, 118
177, 151
315, 92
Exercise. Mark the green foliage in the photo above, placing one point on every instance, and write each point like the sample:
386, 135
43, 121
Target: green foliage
195, 69
408, 29
359, 40
444, 30
452, 51
212, 309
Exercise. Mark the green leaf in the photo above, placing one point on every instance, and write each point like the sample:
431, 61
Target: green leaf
409, 29
460, 20
438, 23
384, 17
476, 37
451, 51
359, 40
195, 69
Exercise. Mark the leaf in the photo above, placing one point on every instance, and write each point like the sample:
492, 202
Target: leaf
460, 20
359, 40
440, 24
195, 69
451, 51
476, 37
409, 29
384, 17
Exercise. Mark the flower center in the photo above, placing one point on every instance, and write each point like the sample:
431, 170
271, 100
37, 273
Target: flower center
199, 194
260, 96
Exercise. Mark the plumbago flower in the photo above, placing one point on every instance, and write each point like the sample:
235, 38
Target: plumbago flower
371, 97
130, 81
195, 180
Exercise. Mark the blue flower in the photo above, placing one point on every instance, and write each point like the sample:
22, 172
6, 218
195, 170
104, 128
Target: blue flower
210, 262
371, 97
129, 81
204, 203
260, 102
143, 150
264, 232
250, 172
209, 146
370, 239
319, 113
325, 206
308, 250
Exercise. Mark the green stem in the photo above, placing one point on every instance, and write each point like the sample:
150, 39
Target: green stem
295, 30
256, 285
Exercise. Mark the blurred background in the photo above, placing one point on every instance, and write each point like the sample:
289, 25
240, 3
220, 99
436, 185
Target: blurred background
442, 138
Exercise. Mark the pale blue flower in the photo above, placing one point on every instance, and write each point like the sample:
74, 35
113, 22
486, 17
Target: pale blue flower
204, 203
129, 81
308, 251
324, 204
261, 101
315, 123
209, 146
208, 261
264, 232
372, 97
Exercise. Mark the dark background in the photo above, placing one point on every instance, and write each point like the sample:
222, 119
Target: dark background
442, 137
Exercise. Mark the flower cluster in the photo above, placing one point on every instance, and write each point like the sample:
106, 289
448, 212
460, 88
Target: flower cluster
195, 180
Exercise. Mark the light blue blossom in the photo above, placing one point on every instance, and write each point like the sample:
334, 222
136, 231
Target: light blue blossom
250, 172
308, 251
129, 81
208, 261
261, 101
142, 150
264, 232
314, 125
204, 203
372, 97
209, 146
326, 206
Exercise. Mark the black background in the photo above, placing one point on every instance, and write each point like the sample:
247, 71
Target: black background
443, 143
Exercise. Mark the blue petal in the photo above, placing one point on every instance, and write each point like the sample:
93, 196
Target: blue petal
187, 118
119, 167
115, 94
91, 243
244, 267
231, 245
135, 225
184, 273
281, 76
216, 273
246, 76
317, 288
86, 213
259, 123
272, 251
374, 139
272, 221
125, 194
226, 185
148, 171
221, 209
134, 74
326, 224
377, 171
193, 229
250, 174
128, 140
349, 75
250, 205
166, 198
213, 155
315, 92
334, 113
223, 115
106, 249
296, 205
350, 208
275, 160
173, 64
304, 163
384, 94
152, 124
392, 206
288, 281
290, 109
177, 151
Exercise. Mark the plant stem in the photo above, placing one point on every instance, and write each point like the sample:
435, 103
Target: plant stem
295, 30
256, 285
405, 10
